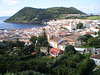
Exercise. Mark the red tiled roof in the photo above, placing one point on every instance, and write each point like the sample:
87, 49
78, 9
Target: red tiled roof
26, 41
63, 33
55, 49
89, 33
97, 56
34, 53
51, 57
67, 24
56, 38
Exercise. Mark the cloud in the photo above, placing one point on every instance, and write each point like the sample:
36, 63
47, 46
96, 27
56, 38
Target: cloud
7, 13
0, 7
10, 2
89, 8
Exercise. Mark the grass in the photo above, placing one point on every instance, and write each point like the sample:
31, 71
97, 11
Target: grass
86, 46
91, 17
94, 18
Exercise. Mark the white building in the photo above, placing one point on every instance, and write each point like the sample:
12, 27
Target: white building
96, 58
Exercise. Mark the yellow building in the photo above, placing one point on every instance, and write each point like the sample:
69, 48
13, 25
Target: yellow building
57, 42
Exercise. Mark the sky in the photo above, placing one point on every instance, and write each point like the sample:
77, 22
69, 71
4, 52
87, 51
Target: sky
10, 7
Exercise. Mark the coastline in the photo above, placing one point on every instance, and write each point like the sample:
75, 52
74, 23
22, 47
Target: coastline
13, 25
24, 22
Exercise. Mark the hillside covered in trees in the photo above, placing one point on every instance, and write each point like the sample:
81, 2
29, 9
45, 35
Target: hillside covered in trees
34, 15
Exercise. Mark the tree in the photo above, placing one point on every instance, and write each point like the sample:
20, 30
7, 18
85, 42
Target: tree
48, 49
21, 66
37, 48
19, 43
3, 67
88, 36
33, 39
80, 39
99, 33
85, 67
97, 72
69, 48
10, 44
79, 26
84, 38
42, 40
2, 51
92, 41
25, 51
28, 49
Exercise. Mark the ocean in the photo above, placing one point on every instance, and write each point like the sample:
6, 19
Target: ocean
4, 25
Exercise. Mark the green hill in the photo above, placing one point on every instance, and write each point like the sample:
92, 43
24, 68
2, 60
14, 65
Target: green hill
34, 15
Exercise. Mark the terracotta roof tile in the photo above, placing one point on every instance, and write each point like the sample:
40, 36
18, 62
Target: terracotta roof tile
34, 53
97, 56
55, 38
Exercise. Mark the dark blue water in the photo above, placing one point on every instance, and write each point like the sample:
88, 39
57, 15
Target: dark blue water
4, 25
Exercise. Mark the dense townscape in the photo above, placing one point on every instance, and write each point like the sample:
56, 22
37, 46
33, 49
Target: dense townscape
49, 37
58, 29
62, 47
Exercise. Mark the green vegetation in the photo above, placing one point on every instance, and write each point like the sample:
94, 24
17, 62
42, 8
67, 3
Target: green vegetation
80, 26
69, 48
93, 18
69, 63
97, 70
16, 58
75, 17
84, 38
89, 42
34, 15
94, 42
64, 28
72, 17
99, 33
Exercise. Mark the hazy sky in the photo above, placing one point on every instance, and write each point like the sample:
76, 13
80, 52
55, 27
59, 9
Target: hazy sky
10, 7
